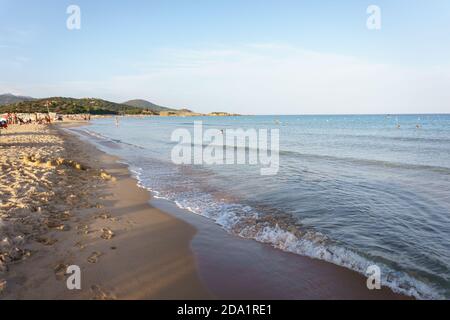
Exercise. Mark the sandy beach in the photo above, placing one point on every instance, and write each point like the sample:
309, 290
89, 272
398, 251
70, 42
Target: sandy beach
161, 151
65, 203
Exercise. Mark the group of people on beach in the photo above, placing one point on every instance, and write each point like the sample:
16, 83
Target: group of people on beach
12, 118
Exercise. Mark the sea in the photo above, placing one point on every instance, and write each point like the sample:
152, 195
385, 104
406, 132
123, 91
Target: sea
353, 190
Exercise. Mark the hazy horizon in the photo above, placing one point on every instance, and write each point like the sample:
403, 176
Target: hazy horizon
255, 114
287, 58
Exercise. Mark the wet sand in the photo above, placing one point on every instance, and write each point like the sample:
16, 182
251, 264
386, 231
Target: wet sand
238, 268
128, 247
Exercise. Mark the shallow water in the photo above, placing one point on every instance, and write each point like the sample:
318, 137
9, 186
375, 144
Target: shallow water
352, 190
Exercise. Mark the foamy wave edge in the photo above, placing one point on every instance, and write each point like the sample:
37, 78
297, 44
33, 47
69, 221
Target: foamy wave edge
311, 244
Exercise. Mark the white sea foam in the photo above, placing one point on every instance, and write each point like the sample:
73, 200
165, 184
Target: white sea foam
245, 222
95, 134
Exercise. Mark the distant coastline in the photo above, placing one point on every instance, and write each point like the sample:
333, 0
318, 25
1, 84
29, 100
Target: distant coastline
71, 106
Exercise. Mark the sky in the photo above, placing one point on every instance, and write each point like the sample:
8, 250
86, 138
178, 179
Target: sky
242, 56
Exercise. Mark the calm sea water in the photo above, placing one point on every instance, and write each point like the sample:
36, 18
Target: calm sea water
351, 190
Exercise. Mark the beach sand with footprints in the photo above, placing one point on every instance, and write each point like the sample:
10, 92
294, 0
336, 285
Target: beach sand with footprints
63, 203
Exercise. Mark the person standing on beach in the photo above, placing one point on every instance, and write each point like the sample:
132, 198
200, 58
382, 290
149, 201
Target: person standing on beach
3, 124
117, 121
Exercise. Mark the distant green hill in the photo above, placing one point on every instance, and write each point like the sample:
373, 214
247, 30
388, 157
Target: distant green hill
72, 106
144, 104
93, 106
9, 98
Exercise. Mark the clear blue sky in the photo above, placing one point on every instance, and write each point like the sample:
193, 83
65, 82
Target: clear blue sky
247, 56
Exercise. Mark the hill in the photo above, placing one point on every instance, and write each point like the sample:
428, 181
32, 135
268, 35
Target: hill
93, 106
147, 105
9, 98
72, 106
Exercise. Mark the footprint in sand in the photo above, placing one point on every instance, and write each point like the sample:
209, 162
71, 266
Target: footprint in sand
80, 245
107, 234
100, 294
83, 229
2, 286
93, 258
60, 270
65, 216
103, 216
63, 227
46, 241
52, 224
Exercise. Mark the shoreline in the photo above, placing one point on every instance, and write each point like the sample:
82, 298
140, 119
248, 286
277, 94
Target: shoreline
239, 268
159, 251
137, 259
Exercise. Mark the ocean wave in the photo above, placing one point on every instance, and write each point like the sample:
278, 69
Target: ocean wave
99, 136
286, 234
313, 156
370, 162
379, 137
